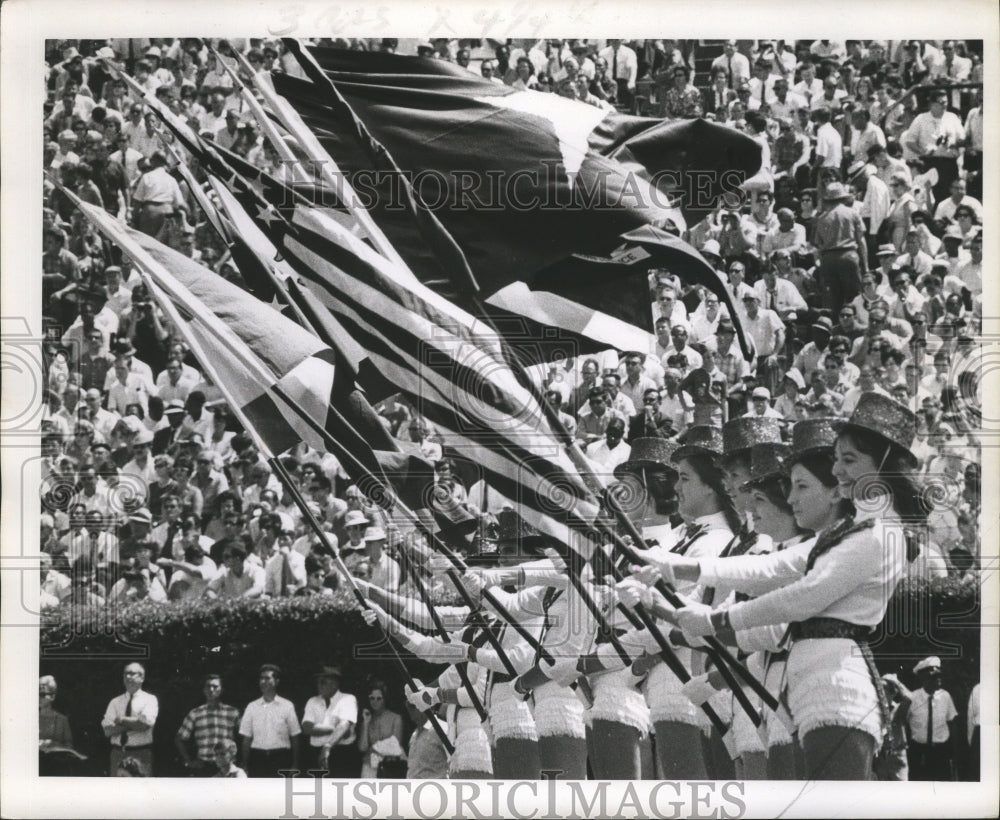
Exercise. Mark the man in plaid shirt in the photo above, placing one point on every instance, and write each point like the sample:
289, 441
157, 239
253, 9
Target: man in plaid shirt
209, 724
730, 358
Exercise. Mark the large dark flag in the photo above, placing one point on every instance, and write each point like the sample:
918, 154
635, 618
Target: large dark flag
514, 178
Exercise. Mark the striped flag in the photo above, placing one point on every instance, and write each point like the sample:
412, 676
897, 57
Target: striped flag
449, 364
249, 344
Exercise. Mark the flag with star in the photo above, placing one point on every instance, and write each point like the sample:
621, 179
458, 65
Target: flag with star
542, 218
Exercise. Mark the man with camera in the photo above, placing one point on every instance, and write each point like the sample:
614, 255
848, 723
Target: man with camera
937, 136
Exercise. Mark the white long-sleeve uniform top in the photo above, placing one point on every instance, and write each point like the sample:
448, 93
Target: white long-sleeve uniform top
852, 582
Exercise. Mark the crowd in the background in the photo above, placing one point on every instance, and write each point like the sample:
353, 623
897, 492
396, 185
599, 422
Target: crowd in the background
854, 265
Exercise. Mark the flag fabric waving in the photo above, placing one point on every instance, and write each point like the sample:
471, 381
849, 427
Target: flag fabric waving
243, 337
515, 178
448, 364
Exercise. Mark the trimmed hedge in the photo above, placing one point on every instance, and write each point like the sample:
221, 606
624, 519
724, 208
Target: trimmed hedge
180, 643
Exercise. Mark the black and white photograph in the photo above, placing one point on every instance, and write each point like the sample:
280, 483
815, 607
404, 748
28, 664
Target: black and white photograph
588, 426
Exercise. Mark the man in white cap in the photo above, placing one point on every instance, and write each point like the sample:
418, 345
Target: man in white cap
384, 571
154, 56
875, 200
931, 723
760, 405
139, 472
355, 523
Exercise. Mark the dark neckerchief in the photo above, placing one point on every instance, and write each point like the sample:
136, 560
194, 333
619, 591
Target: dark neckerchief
691, 534
744, 541
833, 536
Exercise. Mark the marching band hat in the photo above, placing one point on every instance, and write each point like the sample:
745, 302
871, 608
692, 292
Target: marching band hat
885, 417
767, 460
648, 454
743, 433
812, 435
699, 440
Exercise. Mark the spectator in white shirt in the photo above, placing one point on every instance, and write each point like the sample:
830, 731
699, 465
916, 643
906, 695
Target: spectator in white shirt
809, 86
760, 405
384, 571
736, 65
785, 104
937, 137
636, 383
934, 736
778, 294
829, 145
864, 134
949, 66
679, 348
623, 68
705, 320
191, 576
669, 306
945, 211
875, 200
610, 451
787, 234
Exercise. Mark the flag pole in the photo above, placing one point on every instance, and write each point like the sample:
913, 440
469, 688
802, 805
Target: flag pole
300, 502
410, 568
374, 486
328, 169
196, 190
374, 149
280, 146
174, 314
716, 648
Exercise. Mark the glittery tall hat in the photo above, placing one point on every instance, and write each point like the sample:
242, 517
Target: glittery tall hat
768, 460
885, 417
648, 454
742, 433
813, 435
700, 440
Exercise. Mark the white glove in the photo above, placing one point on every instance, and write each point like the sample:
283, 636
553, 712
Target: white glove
374, 614
698, 690
696, 619
563, 671
473, 584
647, 574
659, 568
424, 698
492, 577
632, 591
438, 564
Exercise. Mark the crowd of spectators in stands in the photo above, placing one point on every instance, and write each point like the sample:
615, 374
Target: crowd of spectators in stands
855, 265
